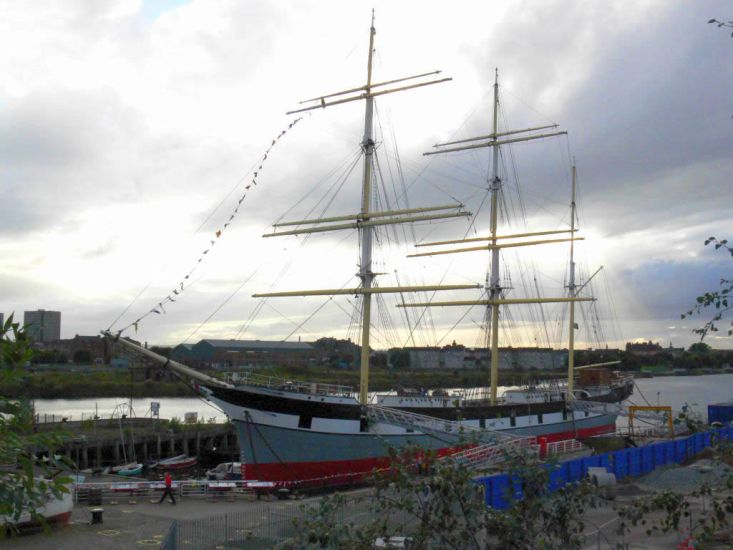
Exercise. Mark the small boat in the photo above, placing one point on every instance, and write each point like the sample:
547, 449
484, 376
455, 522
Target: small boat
176, 463
128, 466
136, 471
53, 510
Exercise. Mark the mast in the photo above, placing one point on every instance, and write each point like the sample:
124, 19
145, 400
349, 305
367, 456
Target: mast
495, 290
572, 292
365, 269
366, 220
495, 283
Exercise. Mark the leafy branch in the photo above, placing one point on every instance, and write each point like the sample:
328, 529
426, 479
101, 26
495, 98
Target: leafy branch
720, 300
728, 24
26, 483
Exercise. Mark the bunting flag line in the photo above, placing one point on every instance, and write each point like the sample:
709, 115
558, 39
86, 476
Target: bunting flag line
179, 288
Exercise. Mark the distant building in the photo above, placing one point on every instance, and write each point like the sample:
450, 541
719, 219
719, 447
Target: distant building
2, 319
643, 349
675, 352
240, 353
532, 358
42, 325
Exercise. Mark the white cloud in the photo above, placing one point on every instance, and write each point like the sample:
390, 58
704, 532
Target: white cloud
123, 124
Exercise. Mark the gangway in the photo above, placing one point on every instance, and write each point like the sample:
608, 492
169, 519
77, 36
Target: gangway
431, 425
486, 446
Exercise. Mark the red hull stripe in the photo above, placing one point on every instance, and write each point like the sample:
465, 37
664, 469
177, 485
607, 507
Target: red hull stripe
342, 472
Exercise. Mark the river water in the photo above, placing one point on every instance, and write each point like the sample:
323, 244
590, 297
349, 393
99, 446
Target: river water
676, 391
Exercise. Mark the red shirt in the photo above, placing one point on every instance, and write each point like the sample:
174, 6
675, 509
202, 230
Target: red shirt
167, 479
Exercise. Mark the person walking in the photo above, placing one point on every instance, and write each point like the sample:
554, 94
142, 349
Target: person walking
168, 491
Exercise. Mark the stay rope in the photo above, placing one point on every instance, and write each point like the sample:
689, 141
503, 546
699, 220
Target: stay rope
182, 285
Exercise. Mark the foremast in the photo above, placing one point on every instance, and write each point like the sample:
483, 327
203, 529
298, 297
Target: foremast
367, 220
496, 293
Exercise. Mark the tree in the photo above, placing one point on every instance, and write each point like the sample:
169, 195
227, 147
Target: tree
447, 510
719, 300
82, 357
22, 488
700, 347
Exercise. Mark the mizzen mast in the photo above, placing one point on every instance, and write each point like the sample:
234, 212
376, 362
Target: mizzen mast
366, 220
496, 292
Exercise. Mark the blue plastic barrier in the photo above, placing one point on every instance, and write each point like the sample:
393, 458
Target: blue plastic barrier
574, 470
699, 442
557, 477
590, 462
659, 450
500, 491
605, 460
620, 463
647, 459
680, 450
518, 492
634, 462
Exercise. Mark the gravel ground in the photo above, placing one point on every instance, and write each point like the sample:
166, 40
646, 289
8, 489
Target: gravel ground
686, 479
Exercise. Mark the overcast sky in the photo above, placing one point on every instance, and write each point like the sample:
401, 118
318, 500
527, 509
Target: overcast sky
129, 129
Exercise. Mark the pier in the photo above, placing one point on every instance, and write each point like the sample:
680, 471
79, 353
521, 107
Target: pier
103, 442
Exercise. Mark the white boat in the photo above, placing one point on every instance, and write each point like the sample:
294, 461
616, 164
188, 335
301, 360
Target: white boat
53, 510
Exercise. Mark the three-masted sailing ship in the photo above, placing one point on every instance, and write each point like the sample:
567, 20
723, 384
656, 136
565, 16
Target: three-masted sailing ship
303, 431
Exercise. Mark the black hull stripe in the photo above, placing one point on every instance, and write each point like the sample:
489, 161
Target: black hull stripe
318, 409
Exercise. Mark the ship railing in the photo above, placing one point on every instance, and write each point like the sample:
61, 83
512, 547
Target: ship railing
284, 384
564, 446
430, 424
613, 409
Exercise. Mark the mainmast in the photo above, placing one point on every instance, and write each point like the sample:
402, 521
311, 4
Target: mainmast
495, 282
365, 269
572, 292
366, 219
496, 296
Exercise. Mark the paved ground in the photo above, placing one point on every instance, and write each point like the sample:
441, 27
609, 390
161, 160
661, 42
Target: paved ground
141, 524
259, 523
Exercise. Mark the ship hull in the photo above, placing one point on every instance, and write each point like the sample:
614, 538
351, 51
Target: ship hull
288, 437
278, 454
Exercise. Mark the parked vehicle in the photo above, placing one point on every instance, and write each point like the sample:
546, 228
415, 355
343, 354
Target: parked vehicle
226, 471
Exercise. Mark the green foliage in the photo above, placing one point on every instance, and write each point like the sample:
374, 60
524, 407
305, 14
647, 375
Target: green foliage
700, 347
671, 510
25, 483
447, 510
82, 357
718, 300
175, 424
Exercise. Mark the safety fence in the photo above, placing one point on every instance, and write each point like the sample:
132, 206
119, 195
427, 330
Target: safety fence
502, 489
97, 493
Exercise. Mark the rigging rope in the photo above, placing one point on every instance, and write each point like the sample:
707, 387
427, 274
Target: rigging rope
182, 284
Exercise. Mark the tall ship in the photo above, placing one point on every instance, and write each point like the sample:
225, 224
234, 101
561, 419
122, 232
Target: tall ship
297, 430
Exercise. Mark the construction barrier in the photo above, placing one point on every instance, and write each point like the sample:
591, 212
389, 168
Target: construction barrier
501, 490
114, 491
